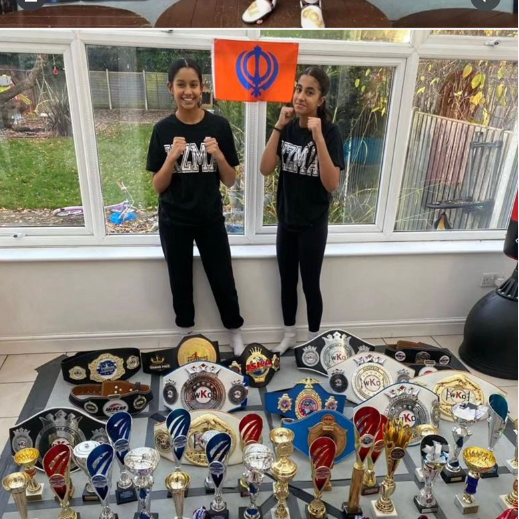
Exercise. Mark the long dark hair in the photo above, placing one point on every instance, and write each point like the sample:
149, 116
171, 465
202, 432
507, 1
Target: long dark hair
324, 84
184, 63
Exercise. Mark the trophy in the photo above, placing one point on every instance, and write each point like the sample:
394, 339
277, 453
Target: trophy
257, 459
435, 452
509, 500
217, 452
478, 461
250, 429
178, 423
421, 431
396, 439
322, 457
367, 423
512, 464
369, 482
204, 439
56, 464
99, 466
27, 458
142, 462
284, 469
80, 455
16, 485
118, 429
177, 483
497, 418
463, 414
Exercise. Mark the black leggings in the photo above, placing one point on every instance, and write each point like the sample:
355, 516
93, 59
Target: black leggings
305, 250
215, 253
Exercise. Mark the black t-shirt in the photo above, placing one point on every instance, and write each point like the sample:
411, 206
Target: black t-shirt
193, 197
302, 200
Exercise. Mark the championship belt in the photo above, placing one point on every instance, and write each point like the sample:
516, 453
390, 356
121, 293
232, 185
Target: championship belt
97, 366
454, 387
325, 351
53, 426
429, 366
365, 374
306, 397
104, 400
192, 348
256, 361
201, 422
418, 352
323, 423
412, 403
205, 385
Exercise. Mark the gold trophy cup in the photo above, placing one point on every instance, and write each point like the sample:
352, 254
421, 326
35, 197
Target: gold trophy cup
177, 483
16, 484
27, 459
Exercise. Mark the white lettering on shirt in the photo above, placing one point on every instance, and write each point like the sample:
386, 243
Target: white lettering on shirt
193, 158
300, 159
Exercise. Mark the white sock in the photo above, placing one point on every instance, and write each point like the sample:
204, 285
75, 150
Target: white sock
288, 341
236, 341
312, 335
185, 331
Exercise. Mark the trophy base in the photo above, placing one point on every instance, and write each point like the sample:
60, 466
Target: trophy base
378, 513
35, 496
492, 473
425, 509
213, 514
125, 495
351, 515
503, 503
244, 490
418, 474
449, 476
511, 465
242, 510
466, 508
154, 515
370, 491
89, 496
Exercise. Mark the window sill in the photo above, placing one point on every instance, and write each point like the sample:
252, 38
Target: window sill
251, 251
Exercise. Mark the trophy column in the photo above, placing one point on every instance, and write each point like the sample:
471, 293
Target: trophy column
16, 484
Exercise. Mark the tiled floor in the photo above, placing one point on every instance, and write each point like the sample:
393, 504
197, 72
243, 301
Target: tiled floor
17, 374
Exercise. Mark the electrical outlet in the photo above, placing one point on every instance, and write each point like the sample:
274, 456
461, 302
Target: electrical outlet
488, 280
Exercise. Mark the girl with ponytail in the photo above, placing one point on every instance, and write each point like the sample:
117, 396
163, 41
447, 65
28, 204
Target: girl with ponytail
308, 148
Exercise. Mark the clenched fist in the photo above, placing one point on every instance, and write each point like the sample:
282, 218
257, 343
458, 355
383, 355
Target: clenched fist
177, 148
314, 125
211, 146
285, 116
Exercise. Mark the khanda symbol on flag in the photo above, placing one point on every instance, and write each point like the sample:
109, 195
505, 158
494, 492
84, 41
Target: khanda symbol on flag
257, 81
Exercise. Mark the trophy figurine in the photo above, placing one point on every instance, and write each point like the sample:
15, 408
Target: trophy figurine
512, 464
142, 462
322, 457
435, 452
250, 429
369, 482
16, 485
27, 459
56, 464
497, 418
478, 461
284, 469
118, 429
257, 459
217, 451
99, 466
177, 483
367, 423
463, 414
178, 423
396, 439
80, 456
509, 500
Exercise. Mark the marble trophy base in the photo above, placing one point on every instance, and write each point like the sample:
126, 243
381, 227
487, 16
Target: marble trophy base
35, 496
241, 513
125, 495
378, 513
346, 514
418, 474
511, 465
466, 508
154, 515
425, 509
450, 476
493, 473
370, 491
503, 503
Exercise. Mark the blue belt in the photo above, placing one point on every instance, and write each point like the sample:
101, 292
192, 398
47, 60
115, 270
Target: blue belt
306, 397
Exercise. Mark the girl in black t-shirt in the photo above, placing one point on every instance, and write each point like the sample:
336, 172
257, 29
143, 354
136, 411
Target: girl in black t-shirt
190, 153
309, 150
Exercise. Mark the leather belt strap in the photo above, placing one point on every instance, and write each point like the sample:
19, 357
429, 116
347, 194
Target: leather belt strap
418, 352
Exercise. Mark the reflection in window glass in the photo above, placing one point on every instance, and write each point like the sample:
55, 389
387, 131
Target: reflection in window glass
129, 95
392, 35
485, 32
461, 167
359, 100
37, 157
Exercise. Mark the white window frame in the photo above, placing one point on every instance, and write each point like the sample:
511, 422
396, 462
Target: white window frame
402, 57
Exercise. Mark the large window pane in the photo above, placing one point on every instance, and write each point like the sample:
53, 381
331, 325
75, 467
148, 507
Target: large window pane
461, 168
38, 168
390, 35
359, 101
129, 95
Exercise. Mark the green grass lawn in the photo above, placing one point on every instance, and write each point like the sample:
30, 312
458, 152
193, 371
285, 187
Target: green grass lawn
42, 173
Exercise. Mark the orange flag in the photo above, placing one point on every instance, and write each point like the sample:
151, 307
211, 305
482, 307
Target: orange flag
254, 70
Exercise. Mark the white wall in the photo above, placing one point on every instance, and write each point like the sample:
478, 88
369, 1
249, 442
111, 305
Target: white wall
64, 306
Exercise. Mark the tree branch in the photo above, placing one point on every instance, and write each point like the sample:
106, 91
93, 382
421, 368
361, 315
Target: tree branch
26, 83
